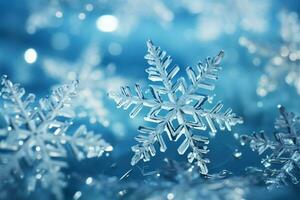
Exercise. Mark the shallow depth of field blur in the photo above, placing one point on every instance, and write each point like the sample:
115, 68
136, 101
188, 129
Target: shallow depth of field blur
102, 43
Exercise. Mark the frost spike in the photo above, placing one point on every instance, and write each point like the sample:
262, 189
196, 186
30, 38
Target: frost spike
184, 146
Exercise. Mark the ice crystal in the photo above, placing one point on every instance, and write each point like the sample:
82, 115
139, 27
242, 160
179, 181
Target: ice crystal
38, 137
176, 107
282, 162
94, 82
280, 60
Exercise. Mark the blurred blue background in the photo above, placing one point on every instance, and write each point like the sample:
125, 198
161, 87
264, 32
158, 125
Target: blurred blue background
44, 43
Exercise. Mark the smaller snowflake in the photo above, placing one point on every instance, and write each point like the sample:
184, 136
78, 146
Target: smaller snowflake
283, 161
37, 137
176, 107
279, 59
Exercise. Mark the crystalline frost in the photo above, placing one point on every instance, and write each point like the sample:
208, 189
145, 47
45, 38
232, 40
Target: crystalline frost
38, 136
282, 162
177, 108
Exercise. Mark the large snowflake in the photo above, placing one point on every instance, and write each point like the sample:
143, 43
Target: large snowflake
37, 137
280, 60
282, 162
176, 108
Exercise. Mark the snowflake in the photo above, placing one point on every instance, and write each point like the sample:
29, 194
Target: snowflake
283, 161
39, 136
282, 60
176, 108
94, 82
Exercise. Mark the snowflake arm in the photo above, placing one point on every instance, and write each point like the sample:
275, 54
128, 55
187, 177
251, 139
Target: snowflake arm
185, 109
39, 136
94, 82
284, 150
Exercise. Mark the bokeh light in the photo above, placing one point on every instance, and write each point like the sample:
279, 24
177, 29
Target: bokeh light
107, 23
30, 55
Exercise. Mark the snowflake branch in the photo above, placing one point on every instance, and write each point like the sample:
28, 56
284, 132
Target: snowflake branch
285, 150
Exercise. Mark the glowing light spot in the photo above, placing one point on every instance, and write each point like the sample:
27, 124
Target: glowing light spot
107, 23
30, 56
243, 41
236, 136
89, 181
89, 7
81, 16
59, 14
293, 56
77, 195
122, 192
38, 176
38, 148
237, 154
109, 148
170, 196
277, 60
261, 92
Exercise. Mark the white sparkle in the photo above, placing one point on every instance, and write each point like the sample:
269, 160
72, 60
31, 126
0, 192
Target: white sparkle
59, 14
77, 195
30, 55
109, 148
89, 181
170, 196
81, 16
107, 23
